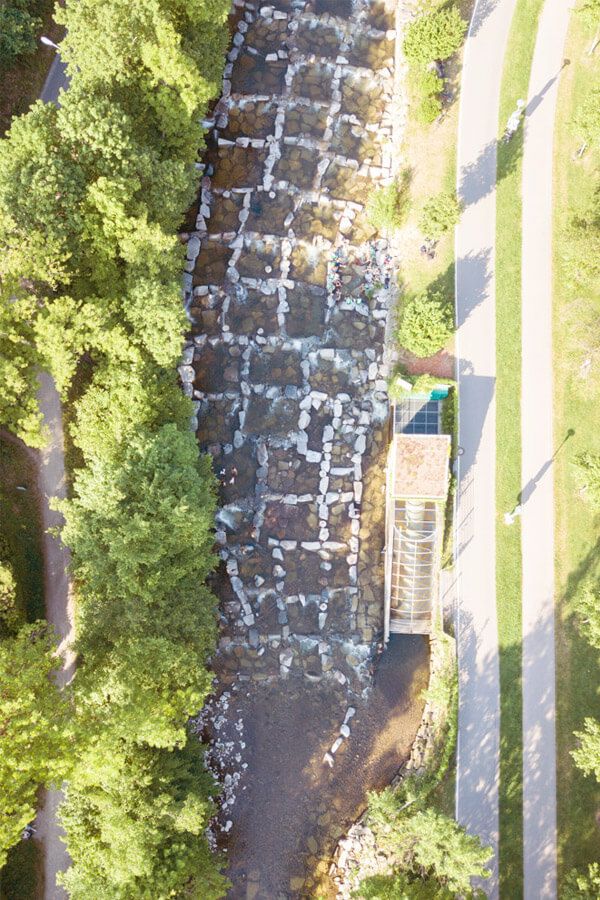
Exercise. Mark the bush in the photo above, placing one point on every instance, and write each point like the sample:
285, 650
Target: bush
439, 214
17, 31
427, 110
385, 208
434, 35
587, 466
426, 323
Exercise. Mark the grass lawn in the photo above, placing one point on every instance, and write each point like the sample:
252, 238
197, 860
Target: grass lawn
577, 331
508, 446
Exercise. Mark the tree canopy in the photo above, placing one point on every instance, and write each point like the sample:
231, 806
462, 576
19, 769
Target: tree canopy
436, 34
426, 323
35, 727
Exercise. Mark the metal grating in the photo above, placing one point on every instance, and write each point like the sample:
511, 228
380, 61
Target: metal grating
417, 417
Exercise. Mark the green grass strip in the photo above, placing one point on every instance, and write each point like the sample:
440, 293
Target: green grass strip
576, 314
508, 446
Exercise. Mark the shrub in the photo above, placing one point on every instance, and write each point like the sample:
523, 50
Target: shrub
440, 213
434, 35
588, 472
17, 31
385, 208
427, 110
426, 323
586, 122
583, 885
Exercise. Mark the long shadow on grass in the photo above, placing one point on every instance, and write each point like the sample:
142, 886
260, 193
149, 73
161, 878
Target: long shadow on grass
496, 162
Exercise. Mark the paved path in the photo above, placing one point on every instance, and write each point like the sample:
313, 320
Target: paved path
478, 743
55, 81
58, 597
59, 611
539, 750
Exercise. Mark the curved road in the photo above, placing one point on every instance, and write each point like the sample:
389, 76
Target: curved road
477, 635
537, 528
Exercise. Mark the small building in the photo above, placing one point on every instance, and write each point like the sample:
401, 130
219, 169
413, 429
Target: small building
417, 489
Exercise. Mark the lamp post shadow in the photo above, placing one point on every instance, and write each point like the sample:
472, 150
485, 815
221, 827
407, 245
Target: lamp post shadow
524, 495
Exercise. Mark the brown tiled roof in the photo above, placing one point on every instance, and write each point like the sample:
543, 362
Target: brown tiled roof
421, 465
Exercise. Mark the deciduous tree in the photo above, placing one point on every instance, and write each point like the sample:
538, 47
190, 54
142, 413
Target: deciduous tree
35, 728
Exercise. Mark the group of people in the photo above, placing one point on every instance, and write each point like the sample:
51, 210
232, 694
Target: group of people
225, 478
374, 271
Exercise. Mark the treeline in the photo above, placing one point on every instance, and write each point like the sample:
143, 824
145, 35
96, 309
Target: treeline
91, 195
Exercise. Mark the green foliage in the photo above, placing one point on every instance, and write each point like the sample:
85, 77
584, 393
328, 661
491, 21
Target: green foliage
9, 614
400, 886
440, 214
35, 728
587, 465
135, 822
385, 208
428, 109
91, 195
18, 29
426, 323
426, 87
426, 844
582, 885
140, 528
590, 10
581, 248
428, 854
586, 122
587, 755
434, 35
587, 608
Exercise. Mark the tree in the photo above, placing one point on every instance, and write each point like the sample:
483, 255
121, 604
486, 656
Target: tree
9, 614
166, 53
401, 886
440, 214
426, 323
587, 755
35, 728
586, 121
587, 465
17, 31
425, 845
587, 606
435, 35
122, 401
583, 885
135, 822
19, 360
140, 528
590, 10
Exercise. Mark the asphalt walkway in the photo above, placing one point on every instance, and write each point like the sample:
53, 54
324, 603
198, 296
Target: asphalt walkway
59, 611
479, 705
57, 588
539, 747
